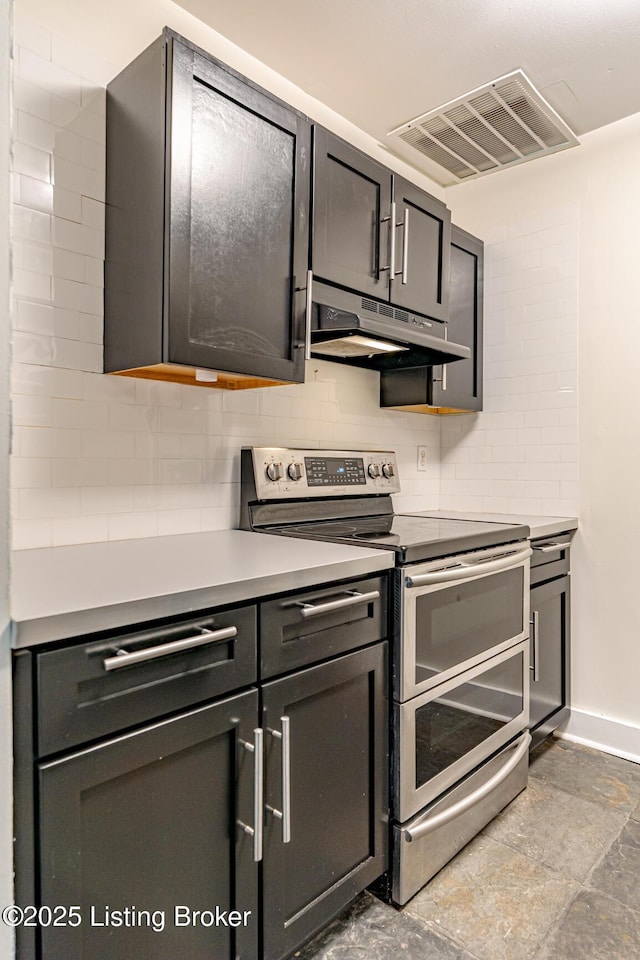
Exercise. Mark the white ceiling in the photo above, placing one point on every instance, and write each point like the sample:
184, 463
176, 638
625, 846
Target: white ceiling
380, 63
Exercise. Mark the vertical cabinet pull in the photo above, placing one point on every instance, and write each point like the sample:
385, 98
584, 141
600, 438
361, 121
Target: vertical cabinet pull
391, 220
307, 319
534, 623
284, 735
405, 246
256, 748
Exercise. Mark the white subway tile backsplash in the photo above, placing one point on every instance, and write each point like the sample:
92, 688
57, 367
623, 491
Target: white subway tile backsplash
77, 355
35, 194
31, 224
80, 472
49, 76
31, 161
77, 237
31, 534
31, 99
79, 530
106, 500
48, 502
30, 472
28, 283
131, 526
34, 131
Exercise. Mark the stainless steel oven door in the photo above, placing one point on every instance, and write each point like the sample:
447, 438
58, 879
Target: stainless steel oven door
458, 611
447, 732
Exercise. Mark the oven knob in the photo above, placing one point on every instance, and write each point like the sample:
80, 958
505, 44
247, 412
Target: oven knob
295, 470
274, 471
388, 470
373, 470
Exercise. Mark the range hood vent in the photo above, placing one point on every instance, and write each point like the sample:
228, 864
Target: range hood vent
499, 125
363, 332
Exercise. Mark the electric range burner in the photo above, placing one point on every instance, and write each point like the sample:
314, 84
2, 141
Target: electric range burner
412, 538
344, 496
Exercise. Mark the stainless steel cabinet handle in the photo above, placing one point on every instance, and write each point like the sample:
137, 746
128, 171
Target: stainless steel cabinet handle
307, 329
534, 623
405, 246
285, 813
256, 748
550, 547
432, 823
462, 570
391, 220
354, 600
125, 658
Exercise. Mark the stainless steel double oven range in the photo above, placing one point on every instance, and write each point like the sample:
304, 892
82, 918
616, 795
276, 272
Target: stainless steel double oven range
460, 661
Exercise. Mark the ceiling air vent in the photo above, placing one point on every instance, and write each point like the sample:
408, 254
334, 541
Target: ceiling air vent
495, 126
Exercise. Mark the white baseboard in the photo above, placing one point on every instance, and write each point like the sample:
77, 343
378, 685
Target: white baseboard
610, 736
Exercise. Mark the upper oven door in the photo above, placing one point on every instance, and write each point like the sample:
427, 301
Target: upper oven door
458, 611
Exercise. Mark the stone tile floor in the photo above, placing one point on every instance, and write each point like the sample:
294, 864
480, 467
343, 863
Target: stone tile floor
556, 876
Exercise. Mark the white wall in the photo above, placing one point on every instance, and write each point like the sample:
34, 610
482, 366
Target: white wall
95, 457
600, 182
6, 808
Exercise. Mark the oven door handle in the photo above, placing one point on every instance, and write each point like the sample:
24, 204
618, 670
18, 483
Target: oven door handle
464, 570
440, 819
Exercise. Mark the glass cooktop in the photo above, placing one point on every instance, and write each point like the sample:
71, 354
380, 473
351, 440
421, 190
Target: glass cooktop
412, 538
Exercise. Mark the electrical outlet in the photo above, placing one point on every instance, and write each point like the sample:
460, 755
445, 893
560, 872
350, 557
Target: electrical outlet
422, 458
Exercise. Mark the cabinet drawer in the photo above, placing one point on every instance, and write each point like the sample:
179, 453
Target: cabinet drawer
550, 557
84, 693
313, 625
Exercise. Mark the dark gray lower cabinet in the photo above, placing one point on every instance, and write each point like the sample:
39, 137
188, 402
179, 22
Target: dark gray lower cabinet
550, 635
338, 792
549, 654
147, 822
148, 830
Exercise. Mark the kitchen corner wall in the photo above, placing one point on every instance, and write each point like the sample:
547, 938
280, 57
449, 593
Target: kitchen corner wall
520, 454
590, 194
99, 457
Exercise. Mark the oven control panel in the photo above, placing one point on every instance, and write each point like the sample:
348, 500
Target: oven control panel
282, 473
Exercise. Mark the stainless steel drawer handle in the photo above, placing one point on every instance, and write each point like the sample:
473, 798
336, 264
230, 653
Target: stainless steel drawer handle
550, 547
125, 658
462, 570
440, 819
256, 748
285, 814
353, 600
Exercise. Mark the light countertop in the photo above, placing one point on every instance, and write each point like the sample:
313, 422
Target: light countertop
67, 591
539, 526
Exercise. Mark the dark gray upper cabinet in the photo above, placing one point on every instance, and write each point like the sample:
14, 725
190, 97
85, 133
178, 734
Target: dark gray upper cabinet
460, 387
360, 225
456, 387
206, 222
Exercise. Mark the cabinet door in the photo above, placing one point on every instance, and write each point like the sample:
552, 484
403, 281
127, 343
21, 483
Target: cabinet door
337, 715
423, 237
146, 822
238, 169
459, 384
351, 207
549, 642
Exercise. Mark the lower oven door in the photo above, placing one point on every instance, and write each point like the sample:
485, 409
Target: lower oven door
458, 611
445, 733
422, 846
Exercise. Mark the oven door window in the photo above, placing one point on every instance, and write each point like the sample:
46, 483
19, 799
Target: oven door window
456, 623
452, 725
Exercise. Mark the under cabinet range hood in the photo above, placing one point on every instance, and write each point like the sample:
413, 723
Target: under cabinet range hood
360, 331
